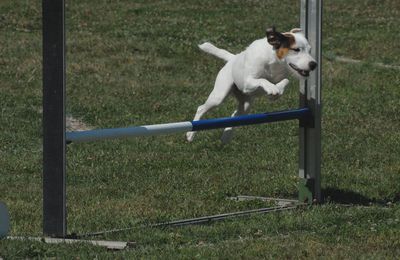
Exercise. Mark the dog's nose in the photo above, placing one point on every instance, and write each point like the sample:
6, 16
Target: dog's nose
312, 65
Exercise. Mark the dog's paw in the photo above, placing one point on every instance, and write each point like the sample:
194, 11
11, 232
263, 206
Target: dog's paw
282, 85
272, 90
190, 136
227, 135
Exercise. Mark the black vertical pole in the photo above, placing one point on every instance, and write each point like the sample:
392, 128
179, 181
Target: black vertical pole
54, 192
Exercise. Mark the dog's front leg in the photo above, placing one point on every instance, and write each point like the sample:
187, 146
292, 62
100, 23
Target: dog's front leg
253, 85
281, 86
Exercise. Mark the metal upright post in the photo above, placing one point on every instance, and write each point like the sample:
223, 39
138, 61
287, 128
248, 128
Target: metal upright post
54, 188
310, 96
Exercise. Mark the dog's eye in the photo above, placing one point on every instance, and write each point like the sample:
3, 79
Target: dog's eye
296, 50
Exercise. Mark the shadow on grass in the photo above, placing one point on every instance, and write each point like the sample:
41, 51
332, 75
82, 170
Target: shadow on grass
350, 197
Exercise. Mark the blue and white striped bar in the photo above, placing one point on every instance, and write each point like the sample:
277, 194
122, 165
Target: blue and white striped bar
207, 124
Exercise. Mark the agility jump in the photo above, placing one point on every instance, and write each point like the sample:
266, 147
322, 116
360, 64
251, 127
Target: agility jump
55, 138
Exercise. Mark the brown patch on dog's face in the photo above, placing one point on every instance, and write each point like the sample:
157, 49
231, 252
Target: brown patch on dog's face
285, 46
281, 42
281, 52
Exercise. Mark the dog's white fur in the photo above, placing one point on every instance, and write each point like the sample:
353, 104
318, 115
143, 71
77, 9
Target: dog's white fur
255, 71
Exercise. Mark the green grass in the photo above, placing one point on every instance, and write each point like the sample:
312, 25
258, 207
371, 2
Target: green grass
137, 62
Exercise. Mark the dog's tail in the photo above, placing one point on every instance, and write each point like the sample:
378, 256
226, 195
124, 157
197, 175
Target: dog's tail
220, 53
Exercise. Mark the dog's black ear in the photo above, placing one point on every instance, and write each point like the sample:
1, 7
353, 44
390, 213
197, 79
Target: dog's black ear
276, 39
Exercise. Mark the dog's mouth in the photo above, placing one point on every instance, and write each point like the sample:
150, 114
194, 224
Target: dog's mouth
304, 73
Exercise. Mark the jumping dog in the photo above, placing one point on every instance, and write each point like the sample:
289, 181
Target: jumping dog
261, 69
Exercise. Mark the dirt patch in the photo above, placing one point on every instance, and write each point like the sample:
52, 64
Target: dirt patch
375, 64
74, 124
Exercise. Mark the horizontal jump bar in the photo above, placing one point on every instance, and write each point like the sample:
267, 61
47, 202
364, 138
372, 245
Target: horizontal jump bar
207, 124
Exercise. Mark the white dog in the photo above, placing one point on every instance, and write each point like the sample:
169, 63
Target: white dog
261, 69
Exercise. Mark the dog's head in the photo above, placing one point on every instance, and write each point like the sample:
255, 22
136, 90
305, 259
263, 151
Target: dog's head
294, 49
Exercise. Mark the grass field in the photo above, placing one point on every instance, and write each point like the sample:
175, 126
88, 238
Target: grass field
137, 62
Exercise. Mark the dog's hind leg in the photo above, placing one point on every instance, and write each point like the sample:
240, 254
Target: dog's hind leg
222, 88
242, 109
